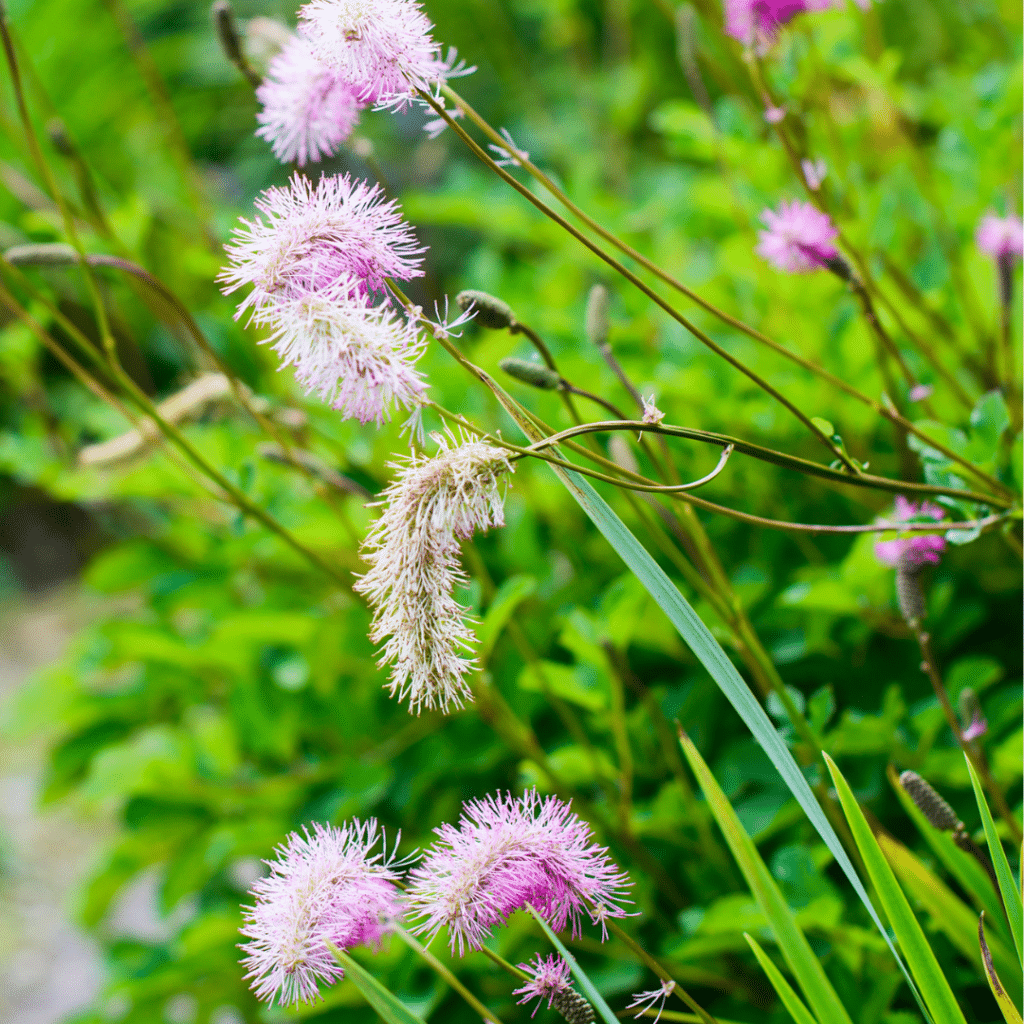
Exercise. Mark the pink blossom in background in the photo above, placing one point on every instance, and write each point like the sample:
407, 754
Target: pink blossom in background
915, 549
315, 234
799, 238
505, 853
773, 115
331, 886
308, 111
919, 392
550, 979
1000, 237
359, 358
758, 21
815, 172
413, 552
383, 47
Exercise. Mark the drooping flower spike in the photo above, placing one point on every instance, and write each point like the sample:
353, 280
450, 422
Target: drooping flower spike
1001, 237
413, 554
308, 110
360, 359
314, 235
799, 238
333, 885
383, 48
917, 549
507, 852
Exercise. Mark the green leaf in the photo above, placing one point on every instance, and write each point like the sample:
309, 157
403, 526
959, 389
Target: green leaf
934, 987
790, 1000
589, 989
391, 1011
1006, 1007
795, 948
503, 605
1007, 886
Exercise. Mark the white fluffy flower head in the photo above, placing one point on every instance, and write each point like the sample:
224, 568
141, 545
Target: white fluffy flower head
413, 555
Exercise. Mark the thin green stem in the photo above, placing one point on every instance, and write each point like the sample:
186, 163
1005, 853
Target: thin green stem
504, 964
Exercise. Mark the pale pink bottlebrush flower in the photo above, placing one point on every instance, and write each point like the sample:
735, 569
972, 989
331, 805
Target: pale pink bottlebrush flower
315, 234
383, 47
505, 853
916, 549
799, 238
359, 358
308, 110
329, 886
549, 980
757, 22
646, 1000
413, 553
652, 414
1000, 237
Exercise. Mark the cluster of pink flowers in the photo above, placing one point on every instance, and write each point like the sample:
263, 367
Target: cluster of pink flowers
335, 888
915, 549
1001, 237
799, 238
757, 22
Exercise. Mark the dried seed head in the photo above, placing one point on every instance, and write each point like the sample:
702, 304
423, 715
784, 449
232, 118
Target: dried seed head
909, 593
573, 1007
597, 315
534, 374
490, 312
939, 814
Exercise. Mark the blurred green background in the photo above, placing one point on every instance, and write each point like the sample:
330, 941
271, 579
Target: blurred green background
224, 692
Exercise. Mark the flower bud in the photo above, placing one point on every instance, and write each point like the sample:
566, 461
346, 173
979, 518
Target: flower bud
227, 32
535, 374
573, 1007
59, 137
939, 814
909, 593
490, 312
975, 723
597, 315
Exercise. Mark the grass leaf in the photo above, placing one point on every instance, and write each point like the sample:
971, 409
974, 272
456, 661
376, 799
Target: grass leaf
934, 987
385, 1003
790, 1000
1006, 1007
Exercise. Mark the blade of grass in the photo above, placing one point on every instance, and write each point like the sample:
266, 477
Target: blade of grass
934, 987
385, 1003
1005, 1003
793, 944
1007, 886
790, 1000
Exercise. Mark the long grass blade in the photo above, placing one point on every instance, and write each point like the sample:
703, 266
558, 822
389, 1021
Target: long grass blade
790, 1000
1007, 886
385, 1003
1005, 1003
795, 949
934, 987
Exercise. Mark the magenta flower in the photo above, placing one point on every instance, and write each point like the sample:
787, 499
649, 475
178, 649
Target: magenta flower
756, 22
316, 234
359, 358
799, 238
326, 887
383, 47
915, 549
308, 111
505, 853
550, 981
1000, 237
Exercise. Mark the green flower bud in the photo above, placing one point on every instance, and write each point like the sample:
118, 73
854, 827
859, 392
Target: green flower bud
597, 315
490, 312
535, 374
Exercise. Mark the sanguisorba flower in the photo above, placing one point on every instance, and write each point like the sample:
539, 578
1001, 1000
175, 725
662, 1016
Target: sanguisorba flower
315, 234
358, 357
308, 110
333, 885
1000, 237
756, 22
383, 47
507, 852
549, 979
799, 238
914, 550
433, 503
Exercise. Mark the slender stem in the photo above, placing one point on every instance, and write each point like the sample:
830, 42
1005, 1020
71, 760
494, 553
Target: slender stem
504, 964
638, 283
443, 972
930, 667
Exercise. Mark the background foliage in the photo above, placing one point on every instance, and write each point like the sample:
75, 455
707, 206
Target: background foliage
231, 695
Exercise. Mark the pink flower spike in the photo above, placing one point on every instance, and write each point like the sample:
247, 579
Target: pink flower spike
977, 728
316, 234
550, 980
799, 238
646, 1000
773, 115
920, 392
383, 47
326, 887
1000, 237
914, 549
652, 414
505, 853
308, 111
757, 22
815, 172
